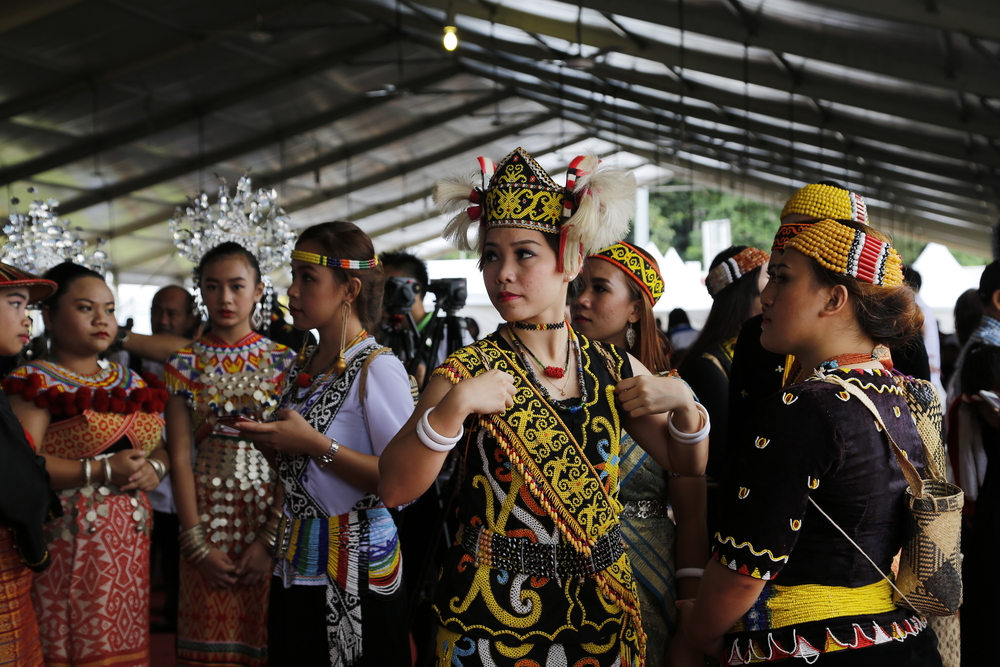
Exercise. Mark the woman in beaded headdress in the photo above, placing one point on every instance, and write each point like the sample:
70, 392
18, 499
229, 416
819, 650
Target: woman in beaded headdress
98, 426
835, 293
735, 278
538, 573
613, 303
224, 493
336, 595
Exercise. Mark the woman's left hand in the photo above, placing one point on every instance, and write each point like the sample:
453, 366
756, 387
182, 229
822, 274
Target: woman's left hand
144, 479
652, 394
255, 565
290, 434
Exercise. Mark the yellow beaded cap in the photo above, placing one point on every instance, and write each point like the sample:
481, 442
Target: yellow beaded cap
821, 202
850, 252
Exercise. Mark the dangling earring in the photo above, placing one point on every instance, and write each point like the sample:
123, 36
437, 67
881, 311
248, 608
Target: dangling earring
257, 319
345, 314
630, 336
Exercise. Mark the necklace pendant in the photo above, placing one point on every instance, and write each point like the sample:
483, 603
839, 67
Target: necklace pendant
340, 366
303, 380
554, 372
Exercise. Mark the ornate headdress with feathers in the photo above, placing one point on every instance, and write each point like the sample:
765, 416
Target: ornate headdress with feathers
592, 212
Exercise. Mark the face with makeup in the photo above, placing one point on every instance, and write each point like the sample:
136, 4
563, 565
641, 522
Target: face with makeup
82, 322
605, 305
15, 325
521, 275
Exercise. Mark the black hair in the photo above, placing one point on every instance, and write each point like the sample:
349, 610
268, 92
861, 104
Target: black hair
731, 307
981, 369
912, 278
409, 264
64, 275
229, 249
677, 317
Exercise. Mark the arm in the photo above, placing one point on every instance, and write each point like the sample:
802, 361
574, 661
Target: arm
157, 347
723, 597
688, 497
128, 467
649, 403
408, 467
292, 434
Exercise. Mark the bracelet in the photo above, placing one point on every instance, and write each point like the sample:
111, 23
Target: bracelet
106, 465
433, 440
683, 438
268, 534
689, 572
159, 468
86, 472
327, 458
194, 547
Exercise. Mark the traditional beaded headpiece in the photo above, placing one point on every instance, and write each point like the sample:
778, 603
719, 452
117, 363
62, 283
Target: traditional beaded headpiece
734, 268
850, 252
592, 211
322, 260
38, 288
254, 220
636, 266
821, 202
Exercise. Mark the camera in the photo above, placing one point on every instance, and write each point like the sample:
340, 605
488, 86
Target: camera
399, 295
451, 294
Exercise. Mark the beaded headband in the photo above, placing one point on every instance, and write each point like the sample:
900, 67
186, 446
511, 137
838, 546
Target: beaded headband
636, 266
38, 288
592, 211
734, 268
820, 202
850, 252
322, 260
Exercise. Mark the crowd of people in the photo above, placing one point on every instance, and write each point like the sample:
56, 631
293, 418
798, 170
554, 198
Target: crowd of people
611, 502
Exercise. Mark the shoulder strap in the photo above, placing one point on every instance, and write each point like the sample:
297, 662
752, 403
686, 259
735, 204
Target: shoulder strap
363, 379
909, 471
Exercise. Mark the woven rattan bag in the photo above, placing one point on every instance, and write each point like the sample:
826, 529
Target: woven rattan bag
930, 566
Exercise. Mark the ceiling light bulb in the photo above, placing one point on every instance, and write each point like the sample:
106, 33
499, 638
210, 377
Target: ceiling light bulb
450, 40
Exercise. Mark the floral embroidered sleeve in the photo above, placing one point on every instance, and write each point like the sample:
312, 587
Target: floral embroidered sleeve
765, 494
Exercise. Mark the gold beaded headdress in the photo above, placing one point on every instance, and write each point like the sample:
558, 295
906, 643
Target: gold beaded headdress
592, 211
636, 266
734, 268
850, 252
821, 202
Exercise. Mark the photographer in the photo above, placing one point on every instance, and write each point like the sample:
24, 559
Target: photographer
450, 295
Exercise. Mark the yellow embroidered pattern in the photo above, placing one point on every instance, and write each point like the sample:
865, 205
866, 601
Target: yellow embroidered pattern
748, 546
636, 266
521, 194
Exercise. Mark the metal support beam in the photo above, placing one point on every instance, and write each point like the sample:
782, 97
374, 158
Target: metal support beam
224, 153
972, 17
20, 13
183, 114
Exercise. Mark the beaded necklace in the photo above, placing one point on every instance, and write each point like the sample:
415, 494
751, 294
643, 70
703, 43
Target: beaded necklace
879, 354
305, 380
550, 371
575, 342
531, 326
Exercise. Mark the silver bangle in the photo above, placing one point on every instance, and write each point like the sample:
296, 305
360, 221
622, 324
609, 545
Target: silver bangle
86, 472
689, 573
682, 438
106, 465
327, 458
158, 467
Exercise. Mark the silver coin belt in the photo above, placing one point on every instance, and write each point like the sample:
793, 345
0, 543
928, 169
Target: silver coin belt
97, 509
521, 555
234, 477
644, 509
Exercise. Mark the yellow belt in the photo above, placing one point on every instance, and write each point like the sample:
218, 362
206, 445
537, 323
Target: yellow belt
794, 605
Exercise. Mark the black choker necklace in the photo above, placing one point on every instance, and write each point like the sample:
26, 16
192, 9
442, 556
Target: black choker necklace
530, 326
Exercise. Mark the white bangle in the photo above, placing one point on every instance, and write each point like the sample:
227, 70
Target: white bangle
433, 440
682, 438
689, 572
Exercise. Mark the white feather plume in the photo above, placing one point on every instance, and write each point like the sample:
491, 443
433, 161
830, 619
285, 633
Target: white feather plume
606, 205
451, 195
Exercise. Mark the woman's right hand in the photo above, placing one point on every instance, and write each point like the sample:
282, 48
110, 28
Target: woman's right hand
489, 393
218, 569
124, 464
